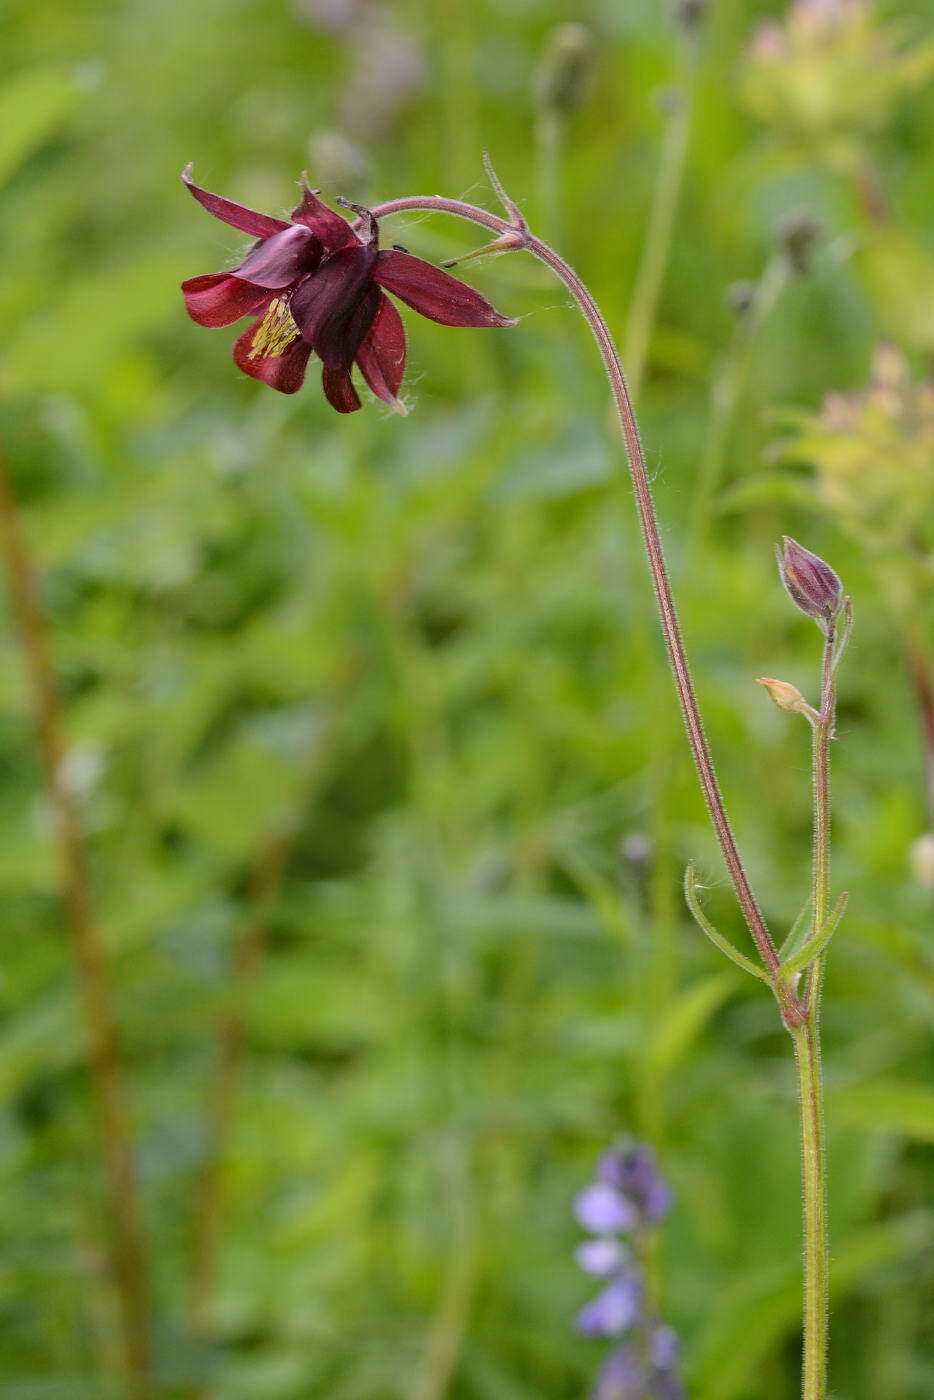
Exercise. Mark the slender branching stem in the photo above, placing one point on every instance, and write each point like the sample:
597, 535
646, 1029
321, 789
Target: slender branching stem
513, 234
126, 1245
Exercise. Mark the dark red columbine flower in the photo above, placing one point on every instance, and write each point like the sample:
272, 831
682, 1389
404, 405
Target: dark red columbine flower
317, 285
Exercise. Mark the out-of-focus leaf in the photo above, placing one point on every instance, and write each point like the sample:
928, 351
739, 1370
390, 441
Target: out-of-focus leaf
32, 105
686, 1018
900, 273
75, 342
886, 1106
757, 1312
767, 489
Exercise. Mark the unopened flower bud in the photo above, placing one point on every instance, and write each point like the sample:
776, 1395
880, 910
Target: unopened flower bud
811, 584
564, 72
786, 696
796, 234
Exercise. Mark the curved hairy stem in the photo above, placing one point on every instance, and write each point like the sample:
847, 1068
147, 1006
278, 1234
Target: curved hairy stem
512, 233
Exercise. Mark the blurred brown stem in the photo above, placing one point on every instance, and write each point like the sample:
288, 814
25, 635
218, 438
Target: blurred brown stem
126, 1245
222, 1088
924, 694
265, 883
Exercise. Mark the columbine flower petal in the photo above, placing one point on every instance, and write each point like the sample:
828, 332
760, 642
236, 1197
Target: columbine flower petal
434, 293
339, 339
333, 231
278, 261
248, 220
381, 357
266, 351
331, 293
219, 299
339, 390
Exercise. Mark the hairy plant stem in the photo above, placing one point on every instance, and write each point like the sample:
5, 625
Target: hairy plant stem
808, 1055
123, 1214
814, 1212
513, 234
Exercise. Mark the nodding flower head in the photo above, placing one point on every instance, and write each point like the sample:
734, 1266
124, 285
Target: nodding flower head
317, 284
811, 584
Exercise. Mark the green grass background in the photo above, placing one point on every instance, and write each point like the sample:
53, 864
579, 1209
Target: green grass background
425, 650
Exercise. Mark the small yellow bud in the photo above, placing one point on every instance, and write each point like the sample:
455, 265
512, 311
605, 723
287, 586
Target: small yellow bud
786, 696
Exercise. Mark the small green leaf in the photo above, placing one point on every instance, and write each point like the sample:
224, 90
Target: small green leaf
816, 945
796, 932
717, 938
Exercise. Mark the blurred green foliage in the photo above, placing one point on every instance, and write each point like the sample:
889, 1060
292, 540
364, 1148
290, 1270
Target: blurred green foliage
413, 665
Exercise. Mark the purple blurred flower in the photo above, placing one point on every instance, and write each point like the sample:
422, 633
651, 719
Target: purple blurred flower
666, 1385
601, 1257
631, 1170
665, 1348
615, 1309
628, 1195
621, 1377
603, 1210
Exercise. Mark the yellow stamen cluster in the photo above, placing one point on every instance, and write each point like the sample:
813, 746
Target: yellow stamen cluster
275, 332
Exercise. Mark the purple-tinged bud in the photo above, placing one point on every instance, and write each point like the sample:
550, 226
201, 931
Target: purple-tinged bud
811, 584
